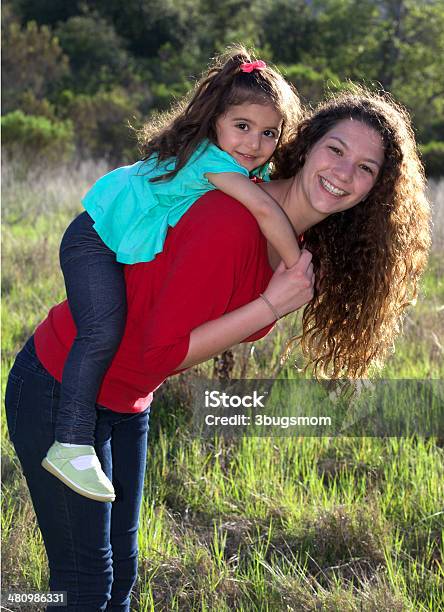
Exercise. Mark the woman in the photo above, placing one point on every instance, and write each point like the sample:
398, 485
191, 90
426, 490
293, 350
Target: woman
367, 259
350, 181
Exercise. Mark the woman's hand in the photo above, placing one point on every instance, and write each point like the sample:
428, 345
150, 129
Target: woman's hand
289, 289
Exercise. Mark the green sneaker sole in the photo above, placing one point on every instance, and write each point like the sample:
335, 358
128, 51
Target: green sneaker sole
72, 485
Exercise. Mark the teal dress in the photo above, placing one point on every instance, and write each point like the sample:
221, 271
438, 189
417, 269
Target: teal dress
132, 214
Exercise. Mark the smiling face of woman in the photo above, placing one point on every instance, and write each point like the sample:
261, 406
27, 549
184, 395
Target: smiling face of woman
342, 167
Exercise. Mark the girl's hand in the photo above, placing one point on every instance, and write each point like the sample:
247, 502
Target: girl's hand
291, 288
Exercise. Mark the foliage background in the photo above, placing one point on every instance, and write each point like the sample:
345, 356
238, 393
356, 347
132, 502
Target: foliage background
88, 67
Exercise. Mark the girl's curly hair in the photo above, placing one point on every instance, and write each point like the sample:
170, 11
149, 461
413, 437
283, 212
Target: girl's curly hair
367, 259
178, 133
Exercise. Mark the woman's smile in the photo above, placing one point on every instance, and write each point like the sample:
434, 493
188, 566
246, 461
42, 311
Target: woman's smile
332, 189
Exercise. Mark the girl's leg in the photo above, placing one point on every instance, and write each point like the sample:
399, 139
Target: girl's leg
96, 291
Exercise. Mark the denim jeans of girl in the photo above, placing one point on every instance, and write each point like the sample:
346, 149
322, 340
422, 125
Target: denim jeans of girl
91, 546
96, 291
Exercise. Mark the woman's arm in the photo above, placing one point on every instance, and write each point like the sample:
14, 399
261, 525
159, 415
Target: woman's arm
271, 218
288, 290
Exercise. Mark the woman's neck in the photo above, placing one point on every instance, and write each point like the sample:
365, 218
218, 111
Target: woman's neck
289, 194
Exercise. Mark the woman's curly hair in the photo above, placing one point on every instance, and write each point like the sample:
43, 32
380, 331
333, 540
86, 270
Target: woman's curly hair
179, 132
367, 259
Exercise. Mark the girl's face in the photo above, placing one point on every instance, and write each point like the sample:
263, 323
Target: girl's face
249, 133
342, 167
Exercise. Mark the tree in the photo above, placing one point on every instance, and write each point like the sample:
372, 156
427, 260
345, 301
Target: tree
396, 44
222, 23
289, 28
148, 25
310, 84
418, 76
97, 54
48, 12
32, 61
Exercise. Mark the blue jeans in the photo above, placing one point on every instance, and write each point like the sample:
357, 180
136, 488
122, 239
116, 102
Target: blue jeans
96, 291
91, 546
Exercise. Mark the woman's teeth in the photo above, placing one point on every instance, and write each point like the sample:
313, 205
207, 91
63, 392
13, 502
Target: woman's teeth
331, 188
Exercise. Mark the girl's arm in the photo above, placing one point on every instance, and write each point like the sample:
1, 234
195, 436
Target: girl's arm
287, 291
271, 218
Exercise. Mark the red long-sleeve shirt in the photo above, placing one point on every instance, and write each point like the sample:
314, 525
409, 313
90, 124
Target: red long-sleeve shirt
214, 261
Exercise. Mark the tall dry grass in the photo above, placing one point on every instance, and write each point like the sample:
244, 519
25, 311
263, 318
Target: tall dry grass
275, 524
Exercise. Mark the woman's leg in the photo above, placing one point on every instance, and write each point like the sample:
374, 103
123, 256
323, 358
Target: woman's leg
129, 445
75, 530
88, 545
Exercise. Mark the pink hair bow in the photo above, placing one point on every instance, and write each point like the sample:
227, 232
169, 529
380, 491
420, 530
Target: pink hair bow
250, 66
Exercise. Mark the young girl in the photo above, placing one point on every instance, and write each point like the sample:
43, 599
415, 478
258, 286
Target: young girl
225, 135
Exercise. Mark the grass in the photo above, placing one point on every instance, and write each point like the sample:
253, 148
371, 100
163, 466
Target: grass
272, 524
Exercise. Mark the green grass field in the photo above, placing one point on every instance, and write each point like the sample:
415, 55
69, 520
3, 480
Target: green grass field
272, 524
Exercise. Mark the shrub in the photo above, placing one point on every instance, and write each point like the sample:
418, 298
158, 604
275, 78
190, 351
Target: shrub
32, 136
29, 104
433, 158
101, 124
